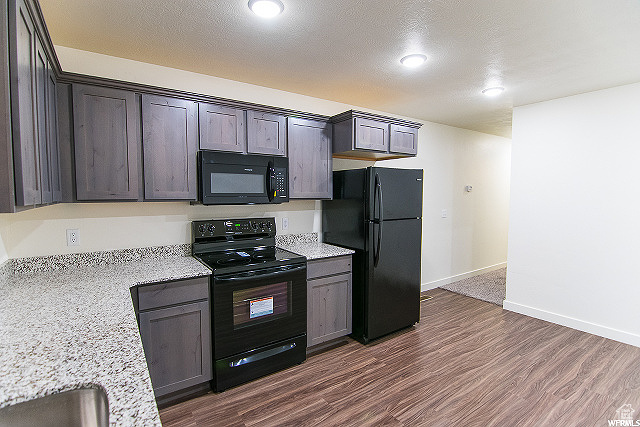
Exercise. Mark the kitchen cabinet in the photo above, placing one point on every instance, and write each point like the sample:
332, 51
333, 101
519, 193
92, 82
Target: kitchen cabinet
52, 137
310, 161
169, 141
403, 139
222, 128
41, 86
175, 328
106, 139
7, 188
266, 133
370, 136
33, 111
238, 130
24, 109
329, 294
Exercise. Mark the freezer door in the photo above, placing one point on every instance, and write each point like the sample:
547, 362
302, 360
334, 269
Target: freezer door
392, 290
398, 192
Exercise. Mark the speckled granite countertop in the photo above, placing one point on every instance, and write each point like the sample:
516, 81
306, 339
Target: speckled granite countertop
75, 327
307, 245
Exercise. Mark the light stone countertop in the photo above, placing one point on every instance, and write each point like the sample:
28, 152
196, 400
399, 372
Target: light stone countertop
76, 327
307, 245
316, 250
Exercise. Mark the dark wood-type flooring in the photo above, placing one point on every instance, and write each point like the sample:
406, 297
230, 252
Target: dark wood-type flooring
467, 363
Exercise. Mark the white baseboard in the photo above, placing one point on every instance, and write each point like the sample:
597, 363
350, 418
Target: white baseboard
447, 280
581, 325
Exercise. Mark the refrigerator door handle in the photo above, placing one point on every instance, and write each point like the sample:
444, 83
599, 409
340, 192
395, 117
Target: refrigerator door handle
379, 221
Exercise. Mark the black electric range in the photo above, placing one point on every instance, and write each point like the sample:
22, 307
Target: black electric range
259, 299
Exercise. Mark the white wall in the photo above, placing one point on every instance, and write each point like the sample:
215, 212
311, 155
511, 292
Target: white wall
4, 226
473, 237
574, 235
104, 226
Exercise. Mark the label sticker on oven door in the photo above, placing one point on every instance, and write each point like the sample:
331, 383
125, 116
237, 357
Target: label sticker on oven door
260, 307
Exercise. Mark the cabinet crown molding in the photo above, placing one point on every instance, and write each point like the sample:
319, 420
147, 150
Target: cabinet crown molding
352, 114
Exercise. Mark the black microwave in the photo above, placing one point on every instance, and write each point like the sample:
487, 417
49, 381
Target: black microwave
233, 178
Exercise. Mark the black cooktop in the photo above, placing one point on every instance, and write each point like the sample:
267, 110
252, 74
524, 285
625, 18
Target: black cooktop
248, 259
235, 245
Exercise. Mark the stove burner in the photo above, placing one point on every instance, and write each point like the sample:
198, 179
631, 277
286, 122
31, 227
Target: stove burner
232, 260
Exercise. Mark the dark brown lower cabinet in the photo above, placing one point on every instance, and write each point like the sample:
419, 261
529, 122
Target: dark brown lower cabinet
176, 334
328, 299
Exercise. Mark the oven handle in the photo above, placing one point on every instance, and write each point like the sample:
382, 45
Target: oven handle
260, 274
262, 355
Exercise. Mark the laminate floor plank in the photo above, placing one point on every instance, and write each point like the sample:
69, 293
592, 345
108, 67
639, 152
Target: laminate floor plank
467, 362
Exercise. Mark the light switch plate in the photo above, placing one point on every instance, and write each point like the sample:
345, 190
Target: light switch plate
285, 223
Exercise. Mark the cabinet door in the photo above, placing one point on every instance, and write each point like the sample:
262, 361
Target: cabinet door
177, 345
310, 165
42, 82
328, 308
403, 140
371, 134
106, 143
26, 151
222, 128
169, 143
52, 136
266, 133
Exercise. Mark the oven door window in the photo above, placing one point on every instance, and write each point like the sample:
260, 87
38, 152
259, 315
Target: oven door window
261, 304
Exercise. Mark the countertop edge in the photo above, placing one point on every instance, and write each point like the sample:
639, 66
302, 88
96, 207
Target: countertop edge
141, 409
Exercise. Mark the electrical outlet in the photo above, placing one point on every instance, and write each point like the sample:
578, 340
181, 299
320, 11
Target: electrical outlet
444, 213
73, 237
285, 223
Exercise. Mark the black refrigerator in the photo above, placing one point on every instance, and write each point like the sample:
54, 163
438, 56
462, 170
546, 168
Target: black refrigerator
378, 213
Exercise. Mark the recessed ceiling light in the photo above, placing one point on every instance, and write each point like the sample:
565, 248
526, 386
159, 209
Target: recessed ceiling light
266, 8
493, 91
414, 60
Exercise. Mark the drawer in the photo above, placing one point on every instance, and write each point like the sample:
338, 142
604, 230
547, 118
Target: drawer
170, 293
328, 266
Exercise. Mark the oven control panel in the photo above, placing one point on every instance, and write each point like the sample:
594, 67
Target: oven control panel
233, 227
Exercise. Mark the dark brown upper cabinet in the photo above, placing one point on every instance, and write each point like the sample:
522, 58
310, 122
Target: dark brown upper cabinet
371, 135
222, 128
170, 144
33, 113
42, 82
357, 134
266, 133
310, 162
237, 130
106, 140
403, 139
52, 136
24, 109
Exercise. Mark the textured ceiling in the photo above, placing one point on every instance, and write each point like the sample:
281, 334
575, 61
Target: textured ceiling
348, 51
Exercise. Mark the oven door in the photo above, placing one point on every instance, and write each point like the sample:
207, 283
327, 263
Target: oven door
255, 308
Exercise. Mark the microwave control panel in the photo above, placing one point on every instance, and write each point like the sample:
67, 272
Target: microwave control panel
282, 183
